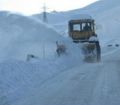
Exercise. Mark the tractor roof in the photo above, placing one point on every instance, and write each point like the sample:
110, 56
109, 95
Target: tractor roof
82, 18
82, 21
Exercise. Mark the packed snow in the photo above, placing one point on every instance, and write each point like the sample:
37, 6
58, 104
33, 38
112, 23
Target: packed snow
66, 80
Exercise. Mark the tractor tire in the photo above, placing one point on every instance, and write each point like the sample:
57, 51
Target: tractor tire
98, 52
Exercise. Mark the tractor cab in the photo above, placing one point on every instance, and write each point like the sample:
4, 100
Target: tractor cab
81, 30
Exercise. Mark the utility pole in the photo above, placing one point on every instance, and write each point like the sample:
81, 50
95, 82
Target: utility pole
45, 20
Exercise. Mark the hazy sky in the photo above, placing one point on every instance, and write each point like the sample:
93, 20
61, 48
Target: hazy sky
35, 6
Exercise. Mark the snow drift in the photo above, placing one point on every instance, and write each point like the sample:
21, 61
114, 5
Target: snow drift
20, 35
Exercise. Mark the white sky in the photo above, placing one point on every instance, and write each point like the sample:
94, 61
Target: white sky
35, 6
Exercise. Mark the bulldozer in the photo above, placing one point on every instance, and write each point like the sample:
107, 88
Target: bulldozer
83, 31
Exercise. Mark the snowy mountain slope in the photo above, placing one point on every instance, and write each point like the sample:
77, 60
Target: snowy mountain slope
94, 9
106, 14
108, 29
20, 35
100, 5
53, 17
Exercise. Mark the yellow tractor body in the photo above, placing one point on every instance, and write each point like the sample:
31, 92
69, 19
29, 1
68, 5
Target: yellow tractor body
81, 31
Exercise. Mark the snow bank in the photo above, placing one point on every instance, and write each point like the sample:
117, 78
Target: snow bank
18, 78
20, 35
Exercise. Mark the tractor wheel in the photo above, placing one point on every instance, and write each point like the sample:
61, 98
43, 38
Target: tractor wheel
98, 52
92, 52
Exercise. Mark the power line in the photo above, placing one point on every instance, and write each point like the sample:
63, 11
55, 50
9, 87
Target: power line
45, 14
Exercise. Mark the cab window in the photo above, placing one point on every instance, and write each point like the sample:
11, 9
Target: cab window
76, 27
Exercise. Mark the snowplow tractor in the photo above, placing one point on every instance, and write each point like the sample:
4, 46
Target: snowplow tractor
83, 31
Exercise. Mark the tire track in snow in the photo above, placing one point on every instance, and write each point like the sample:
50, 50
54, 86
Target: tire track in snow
107, 90
72, 87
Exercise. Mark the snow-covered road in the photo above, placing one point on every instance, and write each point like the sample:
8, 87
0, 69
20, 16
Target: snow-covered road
87, 84
61, 81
